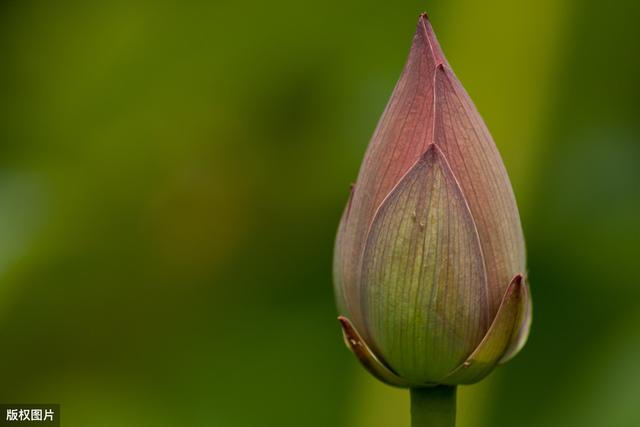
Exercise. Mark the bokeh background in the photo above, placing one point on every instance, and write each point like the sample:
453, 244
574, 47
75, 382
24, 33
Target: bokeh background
172, 174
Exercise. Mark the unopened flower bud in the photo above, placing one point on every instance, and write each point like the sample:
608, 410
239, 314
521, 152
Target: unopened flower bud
430, 259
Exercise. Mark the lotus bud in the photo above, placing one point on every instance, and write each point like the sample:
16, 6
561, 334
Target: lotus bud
429, 264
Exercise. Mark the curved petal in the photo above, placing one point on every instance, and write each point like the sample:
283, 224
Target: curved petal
359, 347
484, 358
401, 137
424, 289
469, 148
339, 258
519, 339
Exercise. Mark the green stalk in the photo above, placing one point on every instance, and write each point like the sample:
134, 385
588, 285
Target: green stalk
433, 406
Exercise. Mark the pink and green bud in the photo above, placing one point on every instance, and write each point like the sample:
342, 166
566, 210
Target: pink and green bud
429, 265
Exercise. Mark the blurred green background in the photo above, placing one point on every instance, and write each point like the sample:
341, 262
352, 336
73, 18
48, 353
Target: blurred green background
172, 175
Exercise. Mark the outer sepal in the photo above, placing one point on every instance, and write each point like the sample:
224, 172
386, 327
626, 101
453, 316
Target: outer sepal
340, 259
367, 358
519, 339
499, 338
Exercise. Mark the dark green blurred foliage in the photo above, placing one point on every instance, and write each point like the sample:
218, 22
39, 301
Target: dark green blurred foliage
171, 177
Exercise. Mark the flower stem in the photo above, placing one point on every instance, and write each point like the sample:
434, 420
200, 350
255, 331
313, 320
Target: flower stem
433, 406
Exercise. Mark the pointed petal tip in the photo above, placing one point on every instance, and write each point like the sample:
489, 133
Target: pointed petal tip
425, 29
521, 332
344, 324
516, 287
498, 339
431, 155
445, 73
517, 280
431, 152
351, 337
367, 358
